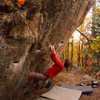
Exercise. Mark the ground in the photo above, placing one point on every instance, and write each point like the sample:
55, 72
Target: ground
75, 77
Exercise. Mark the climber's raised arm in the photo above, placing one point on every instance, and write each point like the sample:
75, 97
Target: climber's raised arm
54, 58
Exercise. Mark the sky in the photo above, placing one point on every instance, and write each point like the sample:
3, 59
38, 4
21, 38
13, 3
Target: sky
76, 36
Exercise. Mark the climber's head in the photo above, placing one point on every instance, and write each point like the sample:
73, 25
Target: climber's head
66, 63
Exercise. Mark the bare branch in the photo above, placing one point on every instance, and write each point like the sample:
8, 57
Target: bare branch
83, 34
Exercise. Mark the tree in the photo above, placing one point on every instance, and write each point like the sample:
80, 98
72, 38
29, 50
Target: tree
72, 47
25, 36
96, 21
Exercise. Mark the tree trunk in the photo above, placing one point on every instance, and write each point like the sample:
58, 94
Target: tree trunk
78, 59
25, 36
72, 49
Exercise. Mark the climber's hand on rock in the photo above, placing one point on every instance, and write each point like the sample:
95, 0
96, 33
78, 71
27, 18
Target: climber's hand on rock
52, 49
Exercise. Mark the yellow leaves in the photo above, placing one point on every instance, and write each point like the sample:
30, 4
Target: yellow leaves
98, 8
95, 46
97, 12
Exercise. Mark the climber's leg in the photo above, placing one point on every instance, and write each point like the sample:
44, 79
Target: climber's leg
37, 76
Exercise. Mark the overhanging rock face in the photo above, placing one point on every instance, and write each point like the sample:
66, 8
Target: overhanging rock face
23, 33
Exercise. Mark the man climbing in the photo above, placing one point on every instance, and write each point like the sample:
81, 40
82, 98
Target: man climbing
56, 68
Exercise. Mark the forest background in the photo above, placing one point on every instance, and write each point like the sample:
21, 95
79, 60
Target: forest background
83, 49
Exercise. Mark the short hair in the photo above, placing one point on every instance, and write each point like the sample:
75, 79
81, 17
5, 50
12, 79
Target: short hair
66, 63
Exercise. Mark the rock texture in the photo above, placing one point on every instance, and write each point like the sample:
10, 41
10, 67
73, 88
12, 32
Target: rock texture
25, 36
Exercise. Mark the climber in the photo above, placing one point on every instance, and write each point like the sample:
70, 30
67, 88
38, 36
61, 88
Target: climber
56, 68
